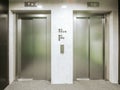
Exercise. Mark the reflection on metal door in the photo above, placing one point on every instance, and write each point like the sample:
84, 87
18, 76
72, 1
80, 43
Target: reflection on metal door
33, 47
88, 47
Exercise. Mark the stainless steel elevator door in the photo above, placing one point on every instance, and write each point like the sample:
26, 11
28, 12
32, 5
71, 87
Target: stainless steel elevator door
40, 48
88, 47
34, 62
96, 47
81, 48
26, 49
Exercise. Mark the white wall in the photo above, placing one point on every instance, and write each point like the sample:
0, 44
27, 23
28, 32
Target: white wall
62, 64
113, 67
11, 47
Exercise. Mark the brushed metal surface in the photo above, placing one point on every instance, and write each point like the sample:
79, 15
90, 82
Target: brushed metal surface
81, 48
96, 48
88, 47
34, 47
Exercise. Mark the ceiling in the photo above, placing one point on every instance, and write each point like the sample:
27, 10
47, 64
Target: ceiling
50, 1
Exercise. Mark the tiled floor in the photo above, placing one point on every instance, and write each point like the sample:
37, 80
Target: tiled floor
77, 85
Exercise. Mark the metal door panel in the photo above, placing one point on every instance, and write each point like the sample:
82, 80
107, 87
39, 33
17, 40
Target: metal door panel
96, 48
40, 48
26, 48
81, 48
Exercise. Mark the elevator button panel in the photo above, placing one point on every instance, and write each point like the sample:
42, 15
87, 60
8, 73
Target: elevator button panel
62, 49
61, 37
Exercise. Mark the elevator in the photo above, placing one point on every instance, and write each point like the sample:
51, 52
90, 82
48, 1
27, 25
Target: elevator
33, 46
89, 46
4, 72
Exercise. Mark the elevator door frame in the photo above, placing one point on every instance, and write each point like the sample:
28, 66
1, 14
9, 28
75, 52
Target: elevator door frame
19, 17
83, 15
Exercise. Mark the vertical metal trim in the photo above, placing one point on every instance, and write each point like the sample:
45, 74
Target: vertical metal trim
74, 43
15, 44
32, 39
103, 22
48, 46
47, 75
7, 17
89, 47
18, 45
118, 42
16, 67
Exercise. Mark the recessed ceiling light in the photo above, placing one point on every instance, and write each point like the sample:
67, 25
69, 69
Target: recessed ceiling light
64, 6
39, 6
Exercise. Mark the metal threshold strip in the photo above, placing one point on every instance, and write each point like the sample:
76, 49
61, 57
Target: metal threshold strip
25, 79
82, 79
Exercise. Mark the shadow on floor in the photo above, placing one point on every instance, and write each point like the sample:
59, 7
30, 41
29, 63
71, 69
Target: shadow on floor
3, 84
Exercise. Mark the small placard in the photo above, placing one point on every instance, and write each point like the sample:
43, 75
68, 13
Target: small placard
93, 4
